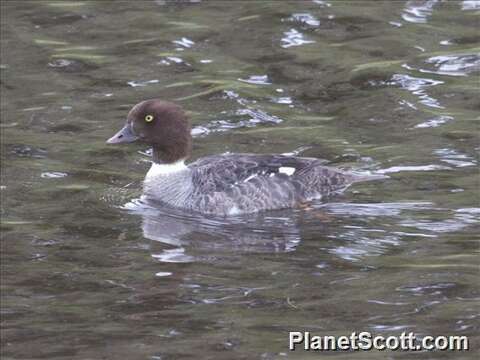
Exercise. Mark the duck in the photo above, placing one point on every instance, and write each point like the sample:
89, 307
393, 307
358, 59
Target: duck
226, 184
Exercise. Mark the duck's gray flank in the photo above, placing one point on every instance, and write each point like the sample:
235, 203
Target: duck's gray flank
244, 183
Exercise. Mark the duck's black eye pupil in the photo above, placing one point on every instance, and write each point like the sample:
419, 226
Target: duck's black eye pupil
148, 118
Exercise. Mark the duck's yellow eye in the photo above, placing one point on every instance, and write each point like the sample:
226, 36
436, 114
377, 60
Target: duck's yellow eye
149, 118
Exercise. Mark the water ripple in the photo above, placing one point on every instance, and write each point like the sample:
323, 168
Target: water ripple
305, 18
381, 209
462, 218
142, 83
454, 158
294, 38
395, 169
176, 255
283, 100
418, 11
436, 121
185, 42
470, 5
53, 175
454, 65
257, 80
249, 117
171, 59
360, 245
417, 87
322, 3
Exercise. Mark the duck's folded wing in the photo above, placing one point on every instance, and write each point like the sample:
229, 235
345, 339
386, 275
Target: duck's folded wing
222, 172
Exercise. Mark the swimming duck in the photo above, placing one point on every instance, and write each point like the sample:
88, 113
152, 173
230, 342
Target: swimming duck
227, 184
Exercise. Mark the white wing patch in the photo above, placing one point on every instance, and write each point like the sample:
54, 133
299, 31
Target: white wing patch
286, 170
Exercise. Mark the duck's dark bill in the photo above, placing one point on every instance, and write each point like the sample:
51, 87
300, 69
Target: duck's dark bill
125, 135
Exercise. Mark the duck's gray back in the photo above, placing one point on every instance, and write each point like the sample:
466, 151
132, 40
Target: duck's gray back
244, 183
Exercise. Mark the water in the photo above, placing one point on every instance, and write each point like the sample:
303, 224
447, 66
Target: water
91, 271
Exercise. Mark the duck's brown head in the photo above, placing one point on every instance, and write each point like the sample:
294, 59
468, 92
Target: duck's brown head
161, 124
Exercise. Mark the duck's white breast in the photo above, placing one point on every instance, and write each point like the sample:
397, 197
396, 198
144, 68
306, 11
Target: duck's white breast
157, 170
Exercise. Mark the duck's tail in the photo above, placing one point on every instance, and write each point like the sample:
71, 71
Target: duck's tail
364, 176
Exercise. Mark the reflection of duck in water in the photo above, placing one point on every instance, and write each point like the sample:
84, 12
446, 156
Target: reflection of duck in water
222, 184
206, 233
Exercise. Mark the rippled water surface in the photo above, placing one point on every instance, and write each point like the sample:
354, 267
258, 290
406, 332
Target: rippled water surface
91, 272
